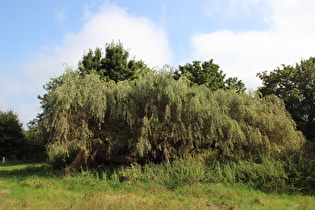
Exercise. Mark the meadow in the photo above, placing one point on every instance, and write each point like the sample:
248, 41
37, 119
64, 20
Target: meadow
182, 184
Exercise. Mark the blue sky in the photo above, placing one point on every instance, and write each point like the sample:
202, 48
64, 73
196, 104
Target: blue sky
242, 36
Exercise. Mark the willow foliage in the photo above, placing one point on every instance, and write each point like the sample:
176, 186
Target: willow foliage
73, 113
157, 118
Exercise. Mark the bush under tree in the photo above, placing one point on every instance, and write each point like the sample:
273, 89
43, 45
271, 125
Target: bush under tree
36, 145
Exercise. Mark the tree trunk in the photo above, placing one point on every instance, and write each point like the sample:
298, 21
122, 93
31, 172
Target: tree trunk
79, 160
116, 159
77, 163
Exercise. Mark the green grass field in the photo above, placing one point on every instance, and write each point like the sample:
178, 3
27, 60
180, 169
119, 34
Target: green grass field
37, 187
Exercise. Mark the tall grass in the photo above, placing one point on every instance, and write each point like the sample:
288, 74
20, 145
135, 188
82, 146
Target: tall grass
292, 173
198, 182
178, 172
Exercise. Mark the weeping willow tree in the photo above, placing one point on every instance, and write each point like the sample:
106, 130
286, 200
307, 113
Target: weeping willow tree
155, 118
73, 112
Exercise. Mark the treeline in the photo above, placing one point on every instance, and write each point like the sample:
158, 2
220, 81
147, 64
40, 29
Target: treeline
116, 109
17, 143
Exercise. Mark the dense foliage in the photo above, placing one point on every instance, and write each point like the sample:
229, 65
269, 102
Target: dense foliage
12, 140
296, 87
209, 74
114, 65
35, 143
155, 118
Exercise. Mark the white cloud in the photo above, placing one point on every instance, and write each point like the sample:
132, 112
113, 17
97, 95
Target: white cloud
289, 38
59, 16
145, 40
222, 10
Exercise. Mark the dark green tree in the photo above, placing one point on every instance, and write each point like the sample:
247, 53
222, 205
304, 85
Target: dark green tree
12, 140
296, 86
232, 83
36, 145
115, 64
209, 74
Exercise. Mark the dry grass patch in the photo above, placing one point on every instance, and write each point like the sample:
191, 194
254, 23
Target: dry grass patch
4, 192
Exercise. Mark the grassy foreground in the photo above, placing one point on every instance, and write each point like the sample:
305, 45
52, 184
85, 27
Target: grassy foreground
35, 187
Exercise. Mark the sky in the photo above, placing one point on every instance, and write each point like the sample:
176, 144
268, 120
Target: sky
244, 37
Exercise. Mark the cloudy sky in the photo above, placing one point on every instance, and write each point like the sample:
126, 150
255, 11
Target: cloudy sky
242, 36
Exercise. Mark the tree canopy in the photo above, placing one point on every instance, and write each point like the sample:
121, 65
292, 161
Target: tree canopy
296, 86
115, 64
209, 74
155, 118
113, 107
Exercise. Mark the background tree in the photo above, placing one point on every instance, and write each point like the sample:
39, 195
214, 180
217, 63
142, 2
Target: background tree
232, 83
36, 145
296, 86
115, 65
12, 140
209, 74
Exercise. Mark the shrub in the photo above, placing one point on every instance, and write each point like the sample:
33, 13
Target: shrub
299, 167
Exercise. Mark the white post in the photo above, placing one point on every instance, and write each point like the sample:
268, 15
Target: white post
3, 159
